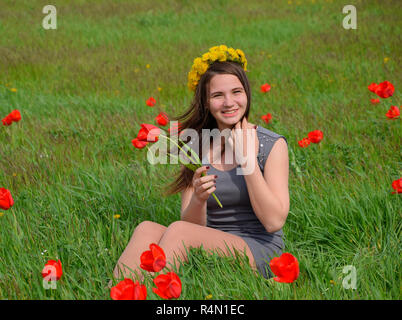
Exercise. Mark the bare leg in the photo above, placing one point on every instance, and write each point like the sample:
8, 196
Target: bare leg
145, 233
194, 235
171, 240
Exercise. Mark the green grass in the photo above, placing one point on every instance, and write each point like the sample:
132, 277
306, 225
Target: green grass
81, 90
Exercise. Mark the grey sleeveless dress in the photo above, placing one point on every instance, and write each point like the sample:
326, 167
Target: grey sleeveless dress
237, 215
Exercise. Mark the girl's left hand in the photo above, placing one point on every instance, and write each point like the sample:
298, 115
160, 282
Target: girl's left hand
245, 140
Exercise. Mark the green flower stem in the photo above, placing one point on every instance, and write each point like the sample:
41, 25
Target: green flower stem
191, 159
196, 163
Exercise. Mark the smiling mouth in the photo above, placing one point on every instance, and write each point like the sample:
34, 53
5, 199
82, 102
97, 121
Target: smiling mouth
229, 111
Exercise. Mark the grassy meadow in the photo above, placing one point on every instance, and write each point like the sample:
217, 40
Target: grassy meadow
81, 90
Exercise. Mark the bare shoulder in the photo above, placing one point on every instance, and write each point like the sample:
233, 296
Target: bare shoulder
280, 146
278, 155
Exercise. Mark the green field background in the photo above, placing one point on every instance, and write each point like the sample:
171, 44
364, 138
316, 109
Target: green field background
81, 90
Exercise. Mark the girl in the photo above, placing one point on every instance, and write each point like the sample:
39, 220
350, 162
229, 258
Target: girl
255, 205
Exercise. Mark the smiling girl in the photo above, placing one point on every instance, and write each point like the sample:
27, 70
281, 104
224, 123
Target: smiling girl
255, 205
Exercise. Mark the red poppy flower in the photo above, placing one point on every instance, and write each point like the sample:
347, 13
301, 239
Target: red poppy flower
286, 268
304, 142
57, 268
153, 260
267, 117
7, 121
168, 285
393, 112
6, 200
397, 185
372, 87
162, 119
148, 132
385, 89
150, 102
265, 87
14, 116
315, 136
128, 290
375, 101
138, 143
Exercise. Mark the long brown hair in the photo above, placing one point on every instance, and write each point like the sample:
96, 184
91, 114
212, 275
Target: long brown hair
198, 117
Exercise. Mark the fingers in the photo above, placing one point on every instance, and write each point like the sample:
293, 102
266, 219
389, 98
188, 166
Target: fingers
200, 171
205, 186
208, 192
203, 180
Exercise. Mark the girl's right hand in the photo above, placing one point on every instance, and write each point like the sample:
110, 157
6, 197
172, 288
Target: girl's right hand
203, 184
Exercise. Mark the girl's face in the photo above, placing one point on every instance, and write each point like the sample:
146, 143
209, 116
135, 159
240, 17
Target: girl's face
227, 100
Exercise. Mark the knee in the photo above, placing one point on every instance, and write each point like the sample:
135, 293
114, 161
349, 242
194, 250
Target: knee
147, 227
176, 231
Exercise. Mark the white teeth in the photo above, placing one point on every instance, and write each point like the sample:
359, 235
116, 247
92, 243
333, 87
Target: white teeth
233, 111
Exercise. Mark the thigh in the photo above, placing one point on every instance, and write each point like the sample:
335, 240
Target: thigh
194, 235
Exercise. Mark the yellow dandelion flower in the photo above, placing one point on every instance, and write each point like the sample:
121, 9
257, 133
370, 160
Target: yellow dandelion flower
332, 282
116, 216
205, 57
222, 56
192, 76
1, 214
223, 47
200, 66
14, 174
197, 61
233, 54
208, 297
159, 89
386, 59
203, 67
214, 56
148, 66
240, 53
13, 90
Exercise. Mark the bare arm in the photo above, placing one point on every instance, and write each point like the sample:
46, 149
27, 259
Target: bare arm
191, 209
269, 194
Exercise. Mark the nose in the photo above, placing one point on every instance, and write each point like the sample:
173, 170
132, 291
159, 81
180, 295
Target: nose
228, 101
